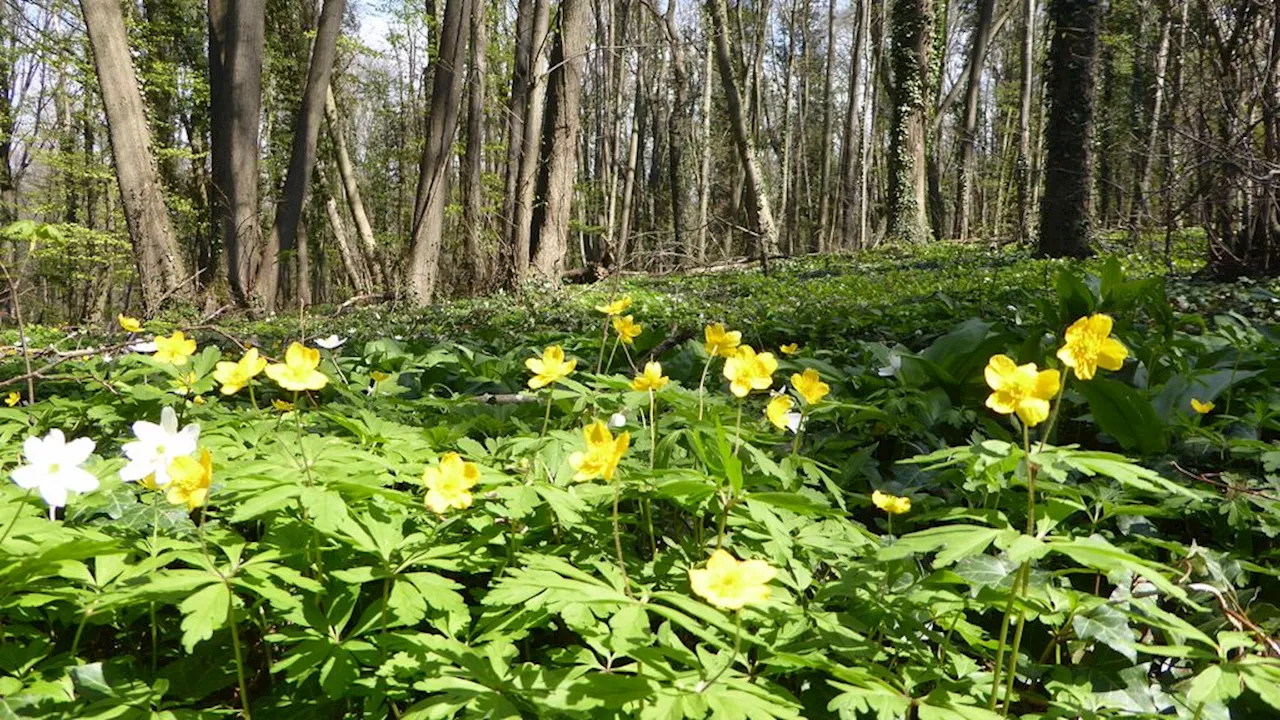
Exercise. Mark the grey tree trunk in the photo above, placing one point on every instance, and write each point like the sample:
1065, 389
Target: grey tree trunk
236, 39
757, 195
351, 189
161, 270
704, 167
1022, 172
1142, 175
823, 235
531, 128
559, 140
851, 148
982, 34
272, 274
909, 55
472, 180
422, 263
1066, 209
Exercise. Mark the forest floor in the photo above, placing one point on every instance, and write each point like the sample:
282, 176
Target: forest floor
395, 518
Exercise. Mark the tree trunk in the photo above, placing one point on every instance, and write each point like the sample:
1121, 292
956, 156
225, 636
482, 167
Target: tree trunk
851, 148
757, 195
272, 274
704, 167
477, 269
679, 128
823, 235
1022, 170
1142, 174
422, 263
981, 39
351, 189
531, 126
1065, 209
912, 34
559, 140
155, 248
236, 38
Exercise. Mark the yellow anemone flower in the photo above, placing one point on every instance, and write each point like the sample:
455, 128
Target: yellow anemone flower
175, 349
129, 324
549, 368
789, 349
1203, 408
778, 409
731, 584
235, 375
282, 405
189, 480
617, 307
892, 504
1020, 389
1088, 346
747, 371
604, 451
298, 371
627, 328
651, 379
13, 398
721, 342
449, 483
810, 386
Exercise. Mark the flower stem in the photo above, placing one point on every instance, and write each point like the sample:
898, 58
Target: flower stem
235, 644
617, 534
546, 418
604, 338
737, 645
1016, 590
653, 429
702, 385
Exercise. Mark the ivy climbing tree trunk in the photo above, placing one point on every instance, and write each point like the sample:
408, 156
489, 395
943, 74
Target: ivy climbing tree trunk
1065, 210
161, 270
912, 34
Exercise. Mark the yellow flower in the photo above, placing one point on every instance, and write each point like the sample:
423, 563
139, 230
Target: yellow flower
777, 411
731, 584
185, 383
720, 341
747, 371
627, 328
549, 368
617, 307
602, 455
298, 371
235, 375
13, 398
1020, 389
790, 349
892, 504
282, 405
129, 324
189, 480
378, 376
198, 400
810, 386
449, 483
176, 348
1088, 346
1203, 408
651, 379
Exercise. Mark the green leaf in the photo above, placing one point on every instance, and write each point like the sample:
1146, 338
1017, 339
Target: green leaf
986, 570
202, 613
1124, 414
1109, 626
954, 542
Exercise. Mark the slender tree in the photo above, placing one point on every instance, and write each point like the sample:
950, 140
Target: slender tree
912, 40
982, 34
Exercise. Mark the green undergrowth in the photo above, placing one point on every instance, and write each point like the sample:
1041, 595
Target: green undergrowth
1117, 560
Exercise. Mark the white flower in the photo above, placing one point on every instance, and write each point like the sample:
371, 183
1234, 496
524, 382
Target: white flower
157, 446
617, 420
143, 347
793, 422
333, 342
895, 364
53, 467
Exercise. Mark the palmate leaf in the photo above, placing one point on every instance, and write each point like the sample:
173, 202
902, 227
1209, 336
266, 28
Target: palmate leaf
204, 612
551, 583
953, 542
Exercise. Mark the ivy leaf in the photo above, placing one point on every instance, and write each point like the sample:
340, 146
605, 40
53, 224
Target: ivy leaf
1109, 626
985, 570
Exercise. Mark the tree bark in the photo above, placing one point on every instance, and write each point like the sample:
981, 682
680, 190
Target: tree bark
823, 235
704, 167
282, 241
757, 195
472, 180
1065, 210
1142, 174
559, 140
236, 39
422, 263
1022, 170
851, 148
912, 22
161, 269
351, 189
531, 127
981, 39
